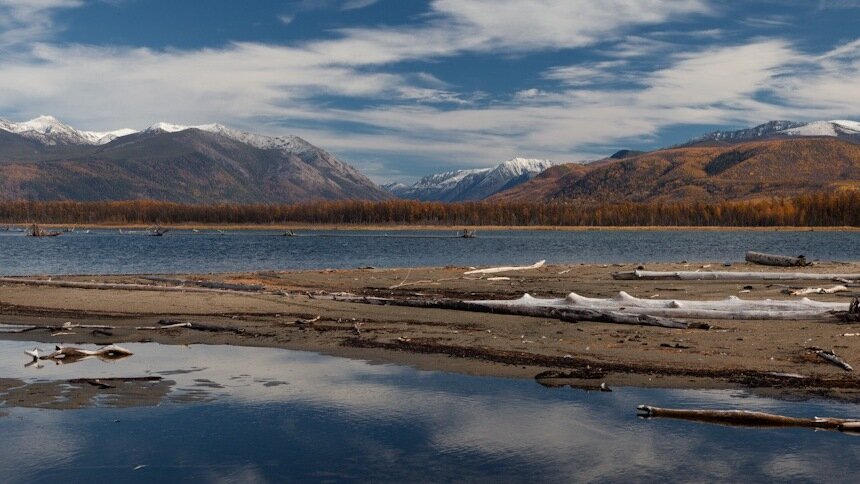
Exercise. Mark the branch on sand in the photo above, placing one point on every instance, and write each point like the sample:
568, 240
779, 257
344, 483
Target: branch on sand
747, 418
730, 276
573, 315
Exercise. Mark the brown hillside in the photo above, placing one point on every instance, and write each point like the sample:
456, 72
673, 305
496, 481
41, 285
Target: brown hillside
545, 185
783, 167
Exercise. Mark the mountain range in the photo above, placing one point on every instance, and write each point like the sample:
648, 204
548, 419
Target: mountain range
780, 158
468, 185
785, 129
44, 159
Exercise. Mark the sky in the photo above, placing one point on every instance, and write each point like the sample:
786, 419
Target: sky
405, 88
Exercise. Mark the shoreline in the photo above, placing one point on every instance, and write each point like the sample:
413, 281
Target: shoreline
454, 228
734, 354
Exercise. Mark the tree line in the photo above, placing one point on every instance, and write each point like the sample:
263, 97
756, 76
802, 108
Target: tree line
817, 209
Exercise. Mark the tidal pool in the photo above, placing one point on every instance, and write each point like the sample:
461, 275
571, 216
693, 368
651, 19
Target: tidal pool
238, 414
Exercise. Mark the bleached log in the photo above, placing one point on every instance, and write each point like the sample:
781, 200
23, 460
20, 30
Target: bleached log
65, 326
776, 260
832, 357
206, 284
200, 326
729, 308
116, 286
495, 270
819, 290
730, 276
166, 326
748, 419
572, 315
70, 352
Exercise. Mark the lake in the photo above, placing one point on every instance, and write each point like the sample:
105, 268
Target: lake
233, 414
184, 251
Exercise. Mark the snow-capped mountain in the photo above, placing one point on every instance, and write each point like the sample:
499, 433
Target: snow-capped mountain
474, 184
772, 129
291, 144
839, 127
193, 164
47, 130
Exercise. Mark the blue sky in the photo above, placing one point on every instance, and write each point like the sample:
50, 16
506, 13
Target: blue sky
403, 88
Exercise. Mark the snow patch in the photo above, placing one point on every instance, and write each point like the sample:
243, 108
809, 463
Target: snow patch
49, 130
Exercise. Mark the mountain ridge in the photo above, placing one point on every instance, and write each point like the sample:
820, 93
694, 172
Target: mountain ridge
44, 159
471, 184
784, 166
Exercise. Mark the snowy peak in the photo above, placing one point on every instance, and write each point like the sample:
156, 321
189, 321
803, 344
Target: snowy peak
288, 144
166, 128
835, 128
521, 166
825, 128
48, 130
474, 184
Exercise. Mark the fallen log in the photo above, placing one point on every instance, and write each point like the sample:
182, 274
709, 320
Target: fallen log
730, 276
172, 323
853, 313
729, 308
746, 418
832, 357
776, 260
207, 284
818, 290
166, 326
70, 352
495, 270
115, 286
65, 326
572, 315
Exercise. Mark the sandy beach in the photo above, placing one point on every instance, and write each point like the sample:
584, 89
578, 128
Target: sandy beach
297, 310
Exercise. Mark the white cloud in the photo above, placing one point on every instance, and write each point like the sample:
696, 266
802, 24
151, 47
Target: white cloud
26, 20
586, 74
286, 19
273, 88
357, 4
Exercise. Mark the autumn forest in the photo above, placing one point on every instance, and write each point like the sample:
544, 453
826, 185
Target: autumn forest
819, 209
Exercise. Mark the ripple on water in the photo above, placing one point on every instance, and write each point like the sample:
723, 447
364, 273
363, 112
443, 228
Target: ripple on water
266, 413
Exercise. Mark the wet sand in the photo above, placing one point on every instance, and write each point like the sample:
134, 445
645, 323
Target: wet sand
733, 354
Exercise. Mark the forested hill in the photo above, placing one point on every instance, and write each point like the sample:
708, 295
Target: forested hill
708, 172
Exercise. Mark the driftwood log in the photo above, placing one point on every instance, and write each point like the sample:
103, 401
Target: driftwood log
207, 284
747, 418
569, 315
730, 276
496, 270
115, 286
65, 326
776, 260
72, 353
853, 313
832, 358
172, 323
729, 308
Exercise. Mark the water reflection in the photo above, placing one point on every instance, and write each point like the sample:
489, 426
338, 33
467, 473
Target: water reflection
274, 415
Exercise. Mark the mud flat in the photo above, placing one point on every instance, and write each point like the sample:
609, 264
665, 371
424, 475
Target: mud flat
306, 310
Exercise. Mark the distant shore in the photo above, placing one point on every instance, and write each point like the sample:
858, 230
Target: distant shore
296, 310
402, 227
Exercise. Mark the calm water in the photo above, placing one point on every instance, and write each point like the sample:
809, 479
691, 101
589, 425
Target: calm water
183, 251
266, 415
